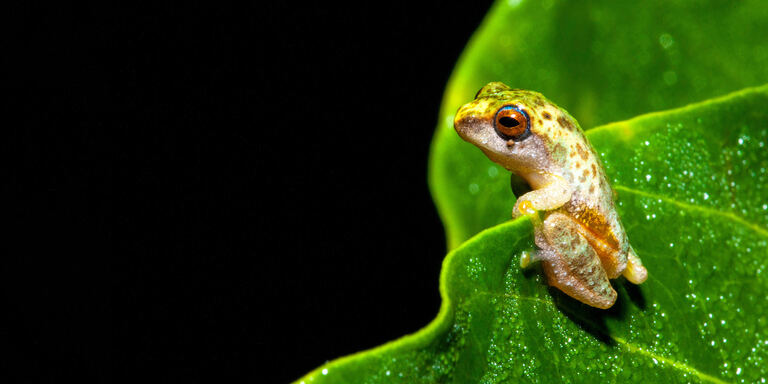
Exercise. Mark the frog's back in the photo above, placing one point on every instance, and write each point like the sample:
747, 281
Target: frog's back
592, 203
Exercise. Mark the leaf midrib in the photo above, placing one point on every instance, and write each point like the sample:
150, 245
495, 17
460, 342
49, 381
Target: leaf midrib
728, 215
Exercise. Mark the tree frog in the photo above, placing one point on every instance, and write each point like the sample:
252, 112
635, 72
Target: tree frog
581, 241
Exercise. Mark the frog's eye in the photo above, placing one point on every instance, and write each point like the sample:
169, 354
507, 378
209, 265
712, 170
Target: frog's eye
512, 123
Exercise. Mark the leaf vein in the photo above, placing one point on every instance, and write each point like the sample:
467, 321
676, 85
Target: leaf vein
729, 215
676, 364
629, 346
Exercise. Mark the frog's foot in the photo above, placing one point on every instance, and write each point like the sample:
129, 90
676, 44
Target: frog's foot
523, 208
572, 265
527, 258
635, 271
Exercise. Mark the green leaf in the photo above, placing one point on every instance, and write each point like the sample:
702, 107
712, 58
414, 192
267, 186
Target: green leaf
691, 189
602, 61
693, 194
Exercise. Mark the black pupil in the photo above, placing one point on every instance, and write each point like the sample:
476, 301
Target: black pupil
509, 122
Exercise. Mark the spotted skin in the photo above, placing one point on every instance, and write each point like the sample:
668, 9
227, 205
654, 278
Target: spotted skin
581, 241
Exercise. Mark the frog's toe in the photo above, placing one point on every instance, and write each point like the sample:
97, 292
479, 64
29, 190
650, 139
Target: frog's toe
525, 207
635, 271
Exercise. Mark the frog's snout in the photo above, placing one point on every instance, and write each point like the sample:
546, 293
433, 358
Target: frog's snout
464, 121
468, 124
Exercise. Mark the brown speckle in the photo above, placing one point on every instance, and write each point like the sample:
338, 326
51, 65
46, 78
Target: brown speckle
559, 150
582, 151
578, 165
594, 169
592, 188
582, 179
585, 173
565, 123
546, 115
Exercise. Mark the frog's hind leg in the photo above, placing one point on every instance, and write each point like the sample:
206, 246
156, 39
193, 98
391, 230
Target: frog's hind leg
571, 264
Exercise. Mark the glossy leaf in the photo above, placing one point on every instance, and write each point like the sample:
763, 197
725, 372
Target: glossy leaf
602, 61
692, 189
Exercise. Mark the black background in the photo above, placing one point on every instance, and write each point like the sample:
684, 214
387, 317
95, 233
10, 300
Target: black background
212, 192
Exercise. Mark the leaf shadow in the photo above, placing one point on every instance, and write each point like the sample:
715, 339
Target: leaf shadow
634, 293
587, 318
593, 320
519, 185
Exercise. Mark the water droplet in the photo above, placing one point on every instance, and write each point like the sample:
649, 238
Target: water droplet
325, 371
666, 40
474, 188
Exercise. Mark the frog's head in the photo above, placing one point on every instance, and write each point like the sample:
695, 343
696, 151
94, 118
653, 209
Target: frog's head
513, 127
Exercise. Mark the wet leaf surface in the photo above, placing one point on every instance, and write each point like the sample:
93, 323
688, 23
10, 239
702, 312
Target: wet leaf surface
693, 198
602, 62
692, 192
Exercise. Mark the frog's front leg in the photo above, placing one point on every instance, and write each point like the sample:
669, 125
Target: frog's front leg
571, 264
550, 192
